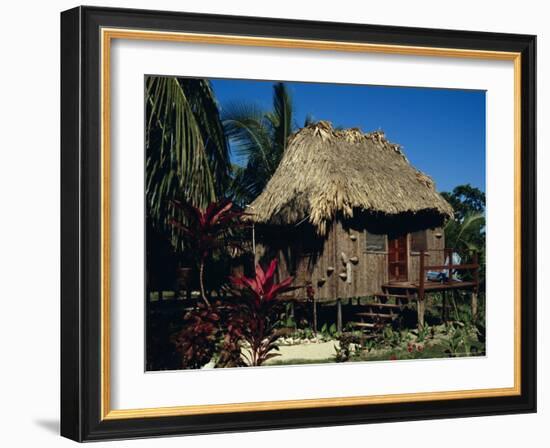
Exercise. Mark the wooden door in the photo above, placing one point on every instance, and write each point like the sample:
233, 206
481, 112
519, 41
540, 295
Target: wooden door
398, 259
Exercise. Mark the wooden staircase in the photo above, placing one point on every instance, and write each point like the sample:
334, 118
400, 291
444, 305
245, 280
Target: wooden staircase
385, 308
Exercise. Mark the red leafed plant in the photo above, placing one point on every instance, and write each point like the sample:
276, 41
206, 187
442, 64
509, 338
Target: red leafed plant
205, 229
256, 312
209, 333
197, 341
263, 288
218, 331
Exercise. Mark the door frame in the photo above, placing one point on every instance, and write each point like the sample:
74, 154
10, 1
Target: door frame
407, 257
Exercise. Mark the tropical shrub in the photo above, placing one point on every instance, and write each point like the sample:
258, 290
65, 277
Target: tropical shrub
392, 337
249, 321
230, 354
460, 342
466, 231
346, 348
206, 231
287, 318
197, 341
255, 312
424, 332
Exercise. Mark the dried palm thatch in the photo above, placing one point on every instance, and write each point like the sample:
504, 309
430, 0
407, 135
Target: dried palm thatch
327, 173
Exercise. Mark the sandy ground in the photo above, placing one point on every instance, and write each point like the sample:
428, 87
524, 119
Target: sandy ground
312, 351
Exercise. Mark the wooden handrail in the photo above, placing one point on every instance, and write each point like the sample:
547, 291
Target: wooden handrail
454, 267
449, 249
448, 254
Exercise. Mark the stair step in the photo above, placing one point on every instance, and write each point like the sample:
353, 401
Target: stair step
383, 305
363, 325
389, 295
382, 316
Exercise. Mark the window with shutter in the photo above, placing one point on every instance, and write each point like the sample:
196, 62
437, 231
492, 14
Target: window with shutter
419, 241
375, 242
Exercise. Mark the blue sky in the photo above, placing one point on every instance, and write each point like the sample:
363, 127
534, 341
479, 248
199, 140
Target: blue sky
442, 131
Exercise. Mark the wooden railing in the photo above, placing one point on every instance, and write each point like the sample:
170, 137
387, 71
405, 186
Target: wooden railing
450, 267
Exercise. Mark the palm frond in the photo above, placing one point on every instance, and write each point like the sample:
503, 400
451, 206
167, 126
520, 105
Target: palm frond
471, 222
206, 110
187, 156
283, 113
466, 233
247, 130
259, 139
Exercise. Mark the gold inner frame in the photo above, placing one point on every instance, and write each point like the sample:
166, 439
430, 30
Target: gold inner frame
107, 35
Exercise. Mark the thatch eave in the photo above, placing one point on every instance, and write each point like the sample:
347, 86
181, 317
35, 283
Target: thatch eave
327, 173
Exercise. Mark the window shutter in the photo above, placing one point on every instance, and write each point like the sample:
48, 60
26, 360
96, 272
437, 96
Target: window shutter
375, 242
419, 241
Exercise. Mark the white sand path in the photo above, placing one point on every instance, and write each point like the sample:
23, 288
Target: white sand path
313, 351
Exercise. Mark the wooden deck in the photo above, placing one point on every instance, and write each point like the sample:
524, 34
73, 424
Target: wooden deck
419, 290
430, 286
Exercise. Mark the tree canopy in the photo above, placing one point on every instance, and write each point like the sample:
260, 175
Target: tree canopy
465, 200
466, 232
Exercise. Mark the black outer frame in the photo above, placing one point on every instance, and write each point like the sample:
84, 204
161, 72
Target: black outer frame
81, 224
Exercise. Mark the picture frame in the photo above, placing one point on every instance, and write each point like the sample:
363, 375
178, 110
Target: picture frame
86, 37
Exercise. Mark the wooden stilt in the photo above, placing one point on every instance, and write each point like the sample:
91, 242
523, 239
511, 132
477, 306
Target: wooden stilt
339, 315
474, 305
314, 316
421, 308
420, 298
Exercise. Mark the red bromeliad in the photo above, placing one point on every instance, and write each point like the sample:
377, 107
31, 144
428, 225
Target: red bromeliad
263, 287
256, 312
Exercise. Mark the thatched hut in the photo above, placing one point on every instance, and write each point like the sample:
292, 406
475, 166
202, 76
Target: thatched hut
346, 212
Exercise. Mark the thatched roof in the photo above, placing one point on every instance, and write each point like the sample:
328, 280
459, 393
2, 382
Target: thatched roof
327, 173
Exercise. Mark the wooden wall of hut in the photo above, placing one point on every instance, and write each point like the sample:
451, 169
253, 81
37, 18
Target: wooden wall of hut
340, 267
435, 243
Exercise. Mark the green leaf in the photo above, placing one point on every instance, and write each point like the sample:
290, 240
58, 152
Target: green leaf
187, 155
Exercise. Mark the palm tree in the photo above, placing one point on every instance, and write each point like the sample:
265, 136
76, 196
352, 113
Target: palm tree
259, 138
467, 236
467, 233
187, 155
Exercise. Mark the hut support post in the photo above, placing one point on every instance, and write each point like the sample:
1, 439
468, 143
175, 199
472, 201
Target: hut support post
339, 315
420, 308
420, 299
314, 315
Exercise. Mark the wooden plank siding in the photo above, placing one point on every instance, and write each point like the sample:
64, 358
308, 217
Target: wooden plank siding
368, 273
434, 251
